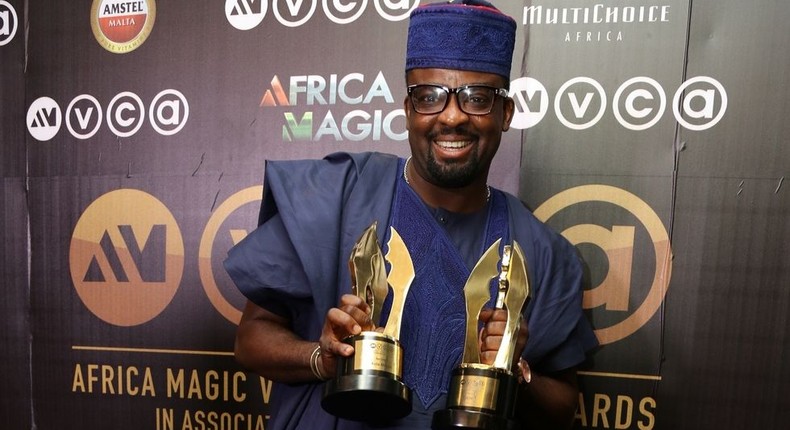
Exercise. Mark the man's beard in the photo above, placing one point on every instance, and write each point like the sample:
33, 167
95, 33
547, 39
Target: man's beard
453, 174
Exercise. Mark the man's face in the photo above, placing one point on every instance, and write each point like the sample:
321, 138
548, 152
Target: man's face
452, 148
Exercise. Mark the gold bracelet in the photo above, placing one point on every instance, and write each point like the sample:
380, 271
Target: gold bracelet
314, 357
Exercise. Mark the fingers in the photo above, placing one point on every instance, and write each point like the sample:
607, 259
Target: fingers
357, 309
350, 317
494, 324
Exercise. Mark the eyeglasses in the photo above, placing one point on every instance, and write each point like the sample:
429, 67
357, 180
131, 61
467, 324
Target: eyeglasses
472, 99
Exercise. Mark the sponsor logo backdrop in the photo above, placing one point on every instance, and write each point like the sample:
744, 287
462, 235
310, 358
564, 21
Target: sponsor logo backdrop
15, 316
650, 133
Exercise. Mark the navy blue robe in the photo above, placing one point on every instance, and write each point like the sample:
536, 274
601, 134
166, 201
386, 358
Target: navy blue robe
295, 264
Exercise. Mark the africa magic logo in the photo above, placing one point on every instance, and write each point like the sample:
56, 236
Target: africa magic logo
626, 238
310, 107
121, 26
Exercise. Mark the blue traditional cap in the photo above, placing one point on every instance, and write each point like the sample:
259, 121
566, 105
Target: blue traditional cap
462, 35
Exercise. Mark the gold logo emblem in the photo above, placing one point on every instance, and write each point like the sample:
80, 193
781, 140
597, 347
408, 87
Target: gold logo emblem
126, 257
615, 291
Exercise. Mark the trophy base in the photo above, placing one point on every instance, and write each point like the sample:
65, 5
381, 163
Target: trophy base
464, 419
368, 386
480, 397
368, 398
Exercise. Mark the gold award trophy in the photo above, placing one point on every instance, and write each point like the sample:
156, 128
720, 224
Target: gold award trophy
483, 396
369, 385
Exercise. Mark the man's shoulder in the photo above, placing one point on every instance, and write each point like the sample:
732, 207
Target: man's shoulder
335, 163
525, 221
357, 161
361, 158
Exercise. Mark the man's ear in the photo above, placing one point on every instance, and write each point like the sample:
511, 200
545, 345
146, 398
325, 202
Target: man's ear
508, 109
406, 110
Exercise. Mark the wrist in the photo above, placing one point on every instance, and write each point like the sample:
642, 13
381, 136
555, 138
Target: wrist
316, 364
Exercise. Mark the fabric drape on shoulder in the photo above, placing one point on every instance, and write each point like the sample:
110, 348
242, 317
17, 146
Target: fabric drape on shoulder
560, 336
312, 213
295, 263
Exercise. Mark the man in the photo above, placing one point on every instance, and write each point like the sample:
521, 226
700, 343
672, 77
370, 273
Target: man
294, 267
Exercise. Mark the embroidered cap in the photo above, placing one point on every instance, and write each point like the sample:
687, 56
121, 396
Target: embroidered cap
461, 35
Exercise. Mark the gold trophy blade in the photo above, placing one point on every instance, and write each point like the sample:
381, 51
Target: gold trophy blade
368, 273
515, 297
477, 294
400, 277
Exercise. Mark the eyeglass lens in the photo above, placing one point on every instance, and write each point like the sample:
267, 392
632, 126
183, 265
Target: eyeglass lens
431, 99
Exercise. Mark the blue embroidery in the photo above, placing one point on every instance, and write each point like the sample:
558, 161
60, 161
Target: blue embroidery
434, 317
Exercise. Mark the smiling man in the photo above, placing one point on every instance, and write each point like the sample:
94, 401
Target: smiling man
294, 268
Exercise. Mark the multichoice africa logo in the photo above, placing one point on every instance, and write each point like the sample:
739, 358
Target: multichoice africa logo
9, 22
121, 26
596, 22
248, 14
126, 257
322, 93
627, 250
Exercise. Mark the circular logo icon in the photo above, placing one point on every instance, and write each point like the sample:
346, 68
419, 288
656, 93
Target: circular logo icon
84, 116
43, 118
614, 293
121, 26
9, 22
703, 101
576, 99
210, 239
169, 112
639, 103
344, 13
125, 114
395, 11
295, 15
245, 14
531, 101
126, 257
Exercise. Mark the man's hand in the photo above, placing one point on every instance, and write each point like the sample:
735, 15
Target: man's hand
349, 318
494, 321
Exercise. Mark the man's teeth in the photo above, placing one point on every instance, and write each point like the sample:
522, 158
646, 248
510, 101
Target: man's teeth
452, 144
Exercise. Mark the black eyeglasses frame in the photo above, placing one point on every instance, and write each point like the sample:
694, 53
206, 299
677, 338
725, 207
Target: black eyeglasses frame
502, 92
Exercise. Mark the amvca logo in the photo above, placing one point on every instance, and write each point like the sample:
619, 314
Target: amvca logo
248, 14
638, 104
126, 257
168, 113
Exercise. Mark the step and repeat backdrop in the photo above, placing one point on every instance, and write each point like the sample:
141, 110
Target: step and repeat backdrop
651, 133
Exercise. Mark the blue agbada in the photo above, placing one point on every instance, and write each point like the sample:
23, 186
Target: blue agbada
295, 264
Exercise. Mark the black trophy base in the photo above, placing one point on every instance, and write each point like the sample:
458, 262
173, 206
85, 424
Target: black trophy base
481, 397
464, 419
368, 398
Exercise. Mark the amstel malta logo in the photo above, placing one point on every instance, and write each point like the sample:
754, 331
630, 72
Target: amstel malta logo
121, 26
636, 256
126, 257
